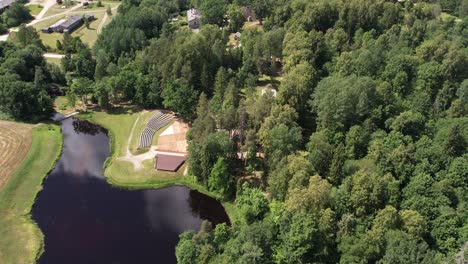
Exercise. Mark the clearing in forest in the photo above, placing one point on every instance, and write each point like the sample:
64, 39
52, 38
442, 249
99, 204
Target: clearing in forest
130, 165
15, 141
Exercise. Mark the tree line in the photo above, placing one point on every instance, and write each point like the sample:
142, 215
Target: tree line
361, 155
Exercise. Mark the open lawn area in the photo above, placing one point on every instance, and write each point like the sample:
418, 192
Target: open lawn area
267, 82
122, 172
56, 61
57, 9
34, 9
253, 24
87, 35
233, 42
61, 106
21, 241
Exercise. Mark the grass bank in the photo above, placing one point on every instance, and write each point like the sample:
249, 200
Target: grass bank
21, 241
122, 174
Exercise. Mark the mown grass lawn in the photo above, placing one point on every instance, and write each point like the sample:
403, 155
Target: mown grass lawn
87, 35
34, 9
21, 241
56, 61
121, 172
90, 35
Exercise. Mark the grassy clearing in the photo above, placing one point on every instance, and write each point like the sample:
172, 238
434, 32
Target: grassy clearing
90, 35
233, 42
57, 9
87, 35
55, 61
253, 24
268, 82
34, 9
21, 241
119, 126
61, 106
122, 174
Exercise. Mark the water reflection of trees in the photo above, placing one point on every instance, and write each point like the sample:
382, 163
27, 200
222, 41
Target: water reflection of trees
85, 127
207, 208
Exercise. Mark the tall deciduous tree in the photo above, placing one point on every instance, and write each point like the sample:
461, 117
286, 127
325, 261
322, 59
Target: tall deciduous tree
213, 11
220, 180
181, 98
252, 203
236, 17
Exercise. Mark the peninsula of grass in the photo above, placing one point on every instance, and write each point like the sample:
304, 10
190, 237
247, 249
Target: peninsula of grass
122, 174
21, 240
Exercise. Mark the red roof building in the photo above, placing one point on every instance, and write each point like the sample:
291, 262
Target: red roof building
168, 162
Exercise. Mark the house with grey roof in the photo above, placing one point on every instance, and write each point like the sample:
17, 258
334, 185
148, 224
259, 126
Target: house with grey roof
68, 25
4, 4
194, 18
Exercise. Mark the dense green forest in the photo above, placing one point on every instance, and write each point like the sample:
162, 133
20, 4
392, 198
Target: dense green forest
361, 155
25, 77
14, 16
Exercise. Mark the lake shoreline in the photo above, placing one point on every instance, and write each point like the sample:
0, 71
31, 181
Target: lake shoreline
36, 237
154, 183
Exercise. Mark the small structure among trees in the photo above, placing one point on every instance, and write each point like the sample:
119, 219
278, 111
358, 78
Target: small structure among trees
194, 18
4, 4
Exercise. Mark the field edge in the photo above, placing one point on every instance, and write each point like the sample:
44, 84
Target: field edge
15, 211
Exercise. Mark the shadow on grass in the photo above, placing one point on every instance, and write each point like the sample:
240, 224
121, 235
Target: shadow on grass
273, 82
114, 110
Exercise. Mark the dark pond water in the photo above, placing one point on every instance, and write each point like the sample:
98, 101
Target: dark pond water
87, 221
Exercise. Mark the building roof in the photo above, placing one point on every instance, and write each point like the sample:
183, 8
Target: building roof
70, 22
58, 23
6, 3
169, 162
193, 14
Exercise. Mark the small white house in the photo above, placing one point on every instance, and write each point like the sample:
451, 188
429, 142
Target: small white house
194, 18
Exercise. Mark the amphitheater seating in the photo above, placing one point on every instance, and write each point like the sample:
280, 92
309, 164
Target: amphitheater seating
158, 121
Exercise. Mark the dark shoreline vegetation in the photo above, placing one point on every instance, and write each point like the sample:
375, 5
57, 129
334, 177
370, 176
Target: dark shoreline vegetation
335, 133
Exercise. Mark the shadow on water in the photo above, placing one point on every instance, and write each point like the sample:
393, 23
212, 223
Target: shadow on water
86, 127
85, 220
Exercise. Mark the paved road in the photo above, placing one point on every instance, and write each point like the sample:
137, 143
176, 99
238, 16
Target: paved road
47, 4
